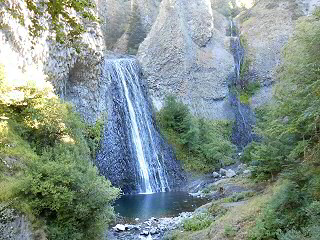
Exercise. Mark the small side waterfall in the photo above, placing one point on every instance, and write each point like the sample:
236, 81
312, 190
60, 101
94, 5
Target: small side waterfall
134, 156
242, 130
237, 51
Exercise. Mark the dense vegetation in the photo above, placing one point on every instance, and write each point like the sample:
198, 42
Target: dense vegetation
290, 148
46, 171
201, 145
64, 18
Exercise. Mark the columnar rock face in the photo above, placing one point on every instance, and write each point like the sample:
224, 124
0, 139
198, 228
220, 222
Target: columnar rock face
69, 71
267, 27
186, 54
122, 17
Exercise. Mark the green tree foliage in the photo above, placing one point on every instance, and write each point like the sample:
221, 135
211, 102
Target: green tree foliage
200, 144
58, 14
291, 132
46, 169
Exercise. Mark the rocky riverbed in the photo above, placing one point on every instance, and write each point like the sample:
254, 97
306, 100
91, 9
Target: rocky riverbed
153, 228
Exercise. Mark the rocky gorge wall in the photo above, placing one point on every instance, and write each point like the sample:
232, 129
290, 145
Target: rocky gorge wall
70, 72
75, 76
186, 53
266, 28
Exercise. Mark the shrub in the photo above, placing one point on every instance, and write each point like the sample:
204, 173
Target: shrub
239, 196
216, 210
229, 231
49, 175
200, 144
198, 222
282, 213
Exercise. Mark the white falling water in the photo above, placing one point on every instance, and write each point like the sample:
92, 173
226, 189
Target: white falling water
163, 182
135, 132
151, 172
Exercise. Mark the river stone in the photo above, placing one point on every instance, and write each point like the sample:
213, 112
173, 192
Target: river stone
247, 173
120, 227
216, 175
154, 231
144, 233
153, 219
223, 172
230, 173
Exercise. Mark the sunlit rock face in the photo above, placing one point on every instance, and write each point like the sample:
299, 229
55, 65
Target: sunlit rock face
58, 63
186, 53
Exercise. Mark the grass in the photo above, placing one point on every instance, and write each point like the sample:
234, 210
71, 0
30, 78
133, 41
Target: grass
230, 231
198, 222
239, 196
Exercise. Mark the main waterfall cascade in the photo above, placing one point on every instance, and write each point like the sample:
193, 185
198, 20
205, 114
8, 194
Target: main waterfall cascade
133, 155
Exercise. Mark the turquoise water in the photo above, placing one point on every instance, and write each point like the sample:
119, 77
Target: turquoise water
167, 204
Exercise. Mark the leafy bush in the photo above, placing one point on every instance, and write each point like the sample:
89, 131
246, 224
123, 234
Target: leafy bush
93, 136
216, 210
197, 222
201, 145
281, 214
229, 231
47, 172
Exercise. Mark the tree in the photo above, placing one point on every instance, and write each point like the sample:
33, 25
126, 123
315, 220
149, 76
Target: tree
64, 17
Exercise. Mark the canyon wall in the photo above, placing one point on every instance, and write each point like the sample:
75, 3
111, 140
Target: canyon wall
186, 53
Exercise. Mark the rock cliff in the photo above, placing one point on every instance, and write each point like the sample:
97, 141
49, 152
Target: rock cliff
59, 63
266, 28
186, 53
74, 75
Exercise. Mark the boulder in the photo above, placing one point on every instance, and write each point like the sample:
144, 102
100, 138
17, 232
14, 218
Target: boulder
216, 175
247, 173
154, 231
223, 172
120, 228
230, 173
241, 168
144, 233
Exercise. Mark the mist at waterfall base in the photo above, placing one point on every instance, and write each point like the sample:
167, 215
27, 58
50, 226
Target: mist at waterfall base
162, 204
133, 154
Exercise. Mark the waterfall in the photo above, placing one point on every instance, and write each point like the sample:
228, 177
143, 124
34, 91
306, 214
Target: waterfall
134, 155
242, 130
